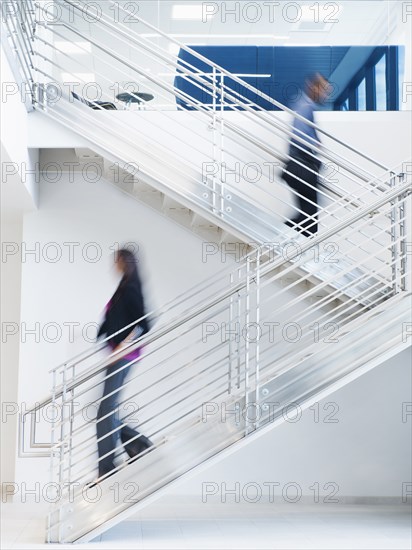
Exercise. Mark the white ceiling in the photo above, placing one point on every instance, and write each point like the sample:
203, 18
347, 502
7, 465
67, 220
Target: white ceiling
353, 22
358, 22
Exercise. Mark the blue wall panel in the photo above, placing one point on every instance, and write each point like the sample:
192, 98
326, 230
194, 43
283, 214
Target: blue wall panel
287, 67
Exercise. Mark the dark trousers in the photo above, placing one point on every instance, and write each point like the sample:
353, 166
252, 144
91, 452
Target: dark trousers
305, 221
109, 405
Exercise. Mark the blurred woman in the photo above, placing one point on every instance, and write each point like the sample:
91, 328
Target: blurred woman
125, 307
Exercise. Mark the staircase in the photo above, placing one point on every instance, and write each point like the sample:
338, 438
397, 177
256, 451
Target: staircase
187, 163
280, 329
200, 436
213, 377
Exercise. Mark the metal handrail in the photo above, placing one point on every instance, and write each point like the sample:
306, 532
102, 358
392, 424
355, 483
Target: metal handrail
325, 209
273, 266
239, 81
204, 110
63, 442
334, 213
370, 182
223, 71
254, 113
313, 242
334, 190
144, 494
305, 295
400, 191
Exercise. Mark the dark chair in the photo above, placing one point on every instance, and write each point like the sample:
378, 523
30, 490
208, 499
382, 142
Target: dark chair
140, 98
97, 105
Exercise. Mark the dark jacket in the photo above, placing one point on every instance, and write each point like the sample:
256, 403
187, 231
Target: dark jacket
126, 306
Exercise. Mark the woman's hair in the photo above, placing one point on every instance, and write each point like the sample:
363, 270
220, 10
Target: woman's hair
129, 262
130, 271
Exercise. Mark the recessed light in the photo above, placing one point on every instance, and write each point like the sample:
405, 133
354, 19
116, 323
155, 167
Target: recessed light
174, 49
215, 35
74, 47
192, 12
320, 13
79, 77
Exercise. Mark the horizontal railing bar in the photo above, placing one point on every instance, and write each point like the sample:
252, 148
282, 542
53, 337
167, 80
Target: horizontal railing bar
138, 375
228, 216
289, 367
261, 145
164, 411
192, 360
245, 84
107, 22
389, 196
137, 436
151, 435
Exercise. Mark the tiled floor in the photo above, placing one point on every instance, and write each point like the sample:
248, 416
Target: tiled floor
187, 525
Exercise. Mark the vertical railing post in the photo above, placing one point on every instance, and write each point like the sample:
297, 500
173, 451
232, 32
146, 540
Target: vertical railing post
394, 237
215, 160
238, 340
252, 335
257, 343
52, 455
71, 419
244, 333
63, 431
231, 357
222, 144
24, 47
403, 253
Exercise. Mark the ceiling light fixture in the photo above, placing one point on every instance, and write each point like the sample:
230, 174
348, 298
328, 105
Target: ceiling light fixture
320, 13
174, 49
85, 78
211, 35
79, 48
191, 12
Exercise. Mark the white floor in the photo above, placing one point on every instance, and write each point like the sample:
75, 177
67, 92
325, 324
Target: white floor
187, 525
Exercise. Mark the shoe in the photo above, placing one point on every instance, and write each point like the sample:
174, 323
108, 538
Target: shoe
146, 449
101, 478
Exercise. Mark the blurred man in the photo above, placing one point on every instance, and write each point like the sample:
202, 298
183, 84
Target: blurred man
303, 177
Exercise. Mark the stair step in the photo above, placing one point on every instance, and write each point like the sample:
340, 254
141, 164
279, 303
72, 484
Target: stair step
150, 191
207, 231
85, 155
142, 187
173, 206
152, 198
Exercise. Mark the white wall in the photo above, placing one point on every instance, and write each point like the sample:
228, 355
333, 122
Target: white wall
383, 136
360, 442
11, 234
61, 292
367, 436
18, 195
19, 186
